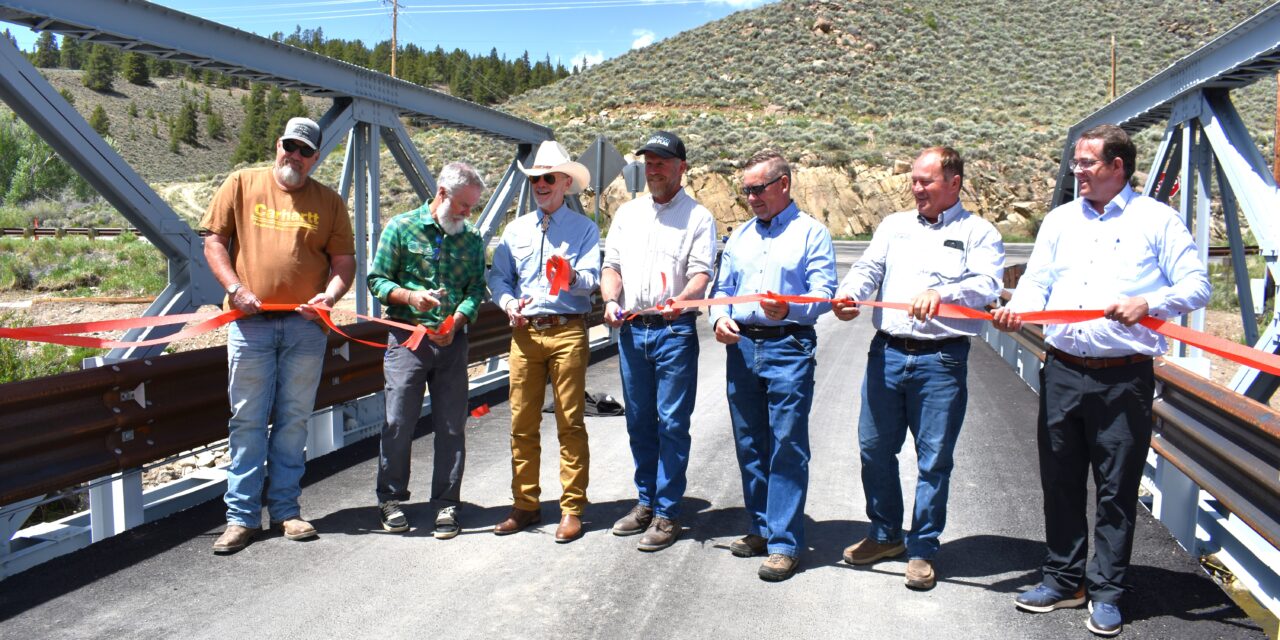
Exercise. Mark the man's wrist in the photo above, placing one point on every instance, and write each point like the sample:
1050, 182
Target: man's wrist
234, 288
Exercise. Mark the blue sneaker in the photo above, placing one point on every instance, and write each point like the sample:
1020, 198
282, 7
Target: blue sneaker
1104, 618
1044, 599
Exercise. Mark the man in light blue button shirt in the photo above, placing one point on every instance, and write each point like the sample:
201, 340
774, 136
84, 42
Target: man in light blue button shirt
770, 363
549, 336
917, 366
1130, 256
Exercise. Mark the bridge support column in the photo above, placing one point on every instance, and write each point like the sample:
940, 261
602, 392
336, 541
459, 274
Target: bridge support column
1176, 503
116, 506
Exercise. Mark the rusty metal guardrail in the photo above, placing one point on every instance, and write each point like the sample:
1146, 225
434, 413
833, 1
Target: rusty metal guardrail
58, 431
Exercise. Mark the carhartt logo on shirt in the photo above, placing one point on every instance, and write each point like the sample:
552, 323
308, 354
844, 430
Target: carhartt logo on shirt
284, 220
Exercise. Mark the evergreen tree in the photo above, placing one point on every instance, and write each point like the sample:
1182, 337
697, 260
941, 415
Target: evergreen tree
99, 68
133, 109
160, 67
72, 54
214, 126
135, 69
186, 126
47, 54
253, 145
99, 121
66, 95
12, 40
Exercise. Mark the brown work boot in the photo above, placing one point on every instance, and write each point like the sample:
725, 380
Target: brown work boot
235, 538
518, 519
920, 574
778, 567
296, 528
749, 546
570, 528
637, 521
661, 534
867, 551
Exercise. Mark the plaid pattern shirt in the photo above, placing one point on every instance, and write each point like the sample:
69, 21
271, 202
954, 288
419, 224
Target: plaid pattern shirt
416, 254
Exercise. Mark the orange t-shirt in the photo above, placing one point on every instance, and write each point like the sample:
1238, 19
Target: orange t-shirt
281, 240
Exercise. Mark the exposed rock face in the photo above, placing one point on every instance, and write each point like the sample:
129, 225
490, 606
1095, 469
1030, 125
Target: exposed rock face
850, 201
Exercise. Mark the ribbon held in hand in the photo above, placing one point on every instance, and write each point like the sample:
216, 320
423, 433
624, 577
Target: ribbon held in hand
559, 274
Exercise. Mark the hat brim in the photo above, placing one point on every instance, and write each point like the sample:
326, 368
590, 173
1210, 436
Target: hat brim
658, 151
300, 139
576, 170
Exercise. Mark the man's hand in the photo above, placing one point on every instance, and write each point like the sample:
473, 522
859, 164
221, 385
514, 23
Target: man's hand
305, 310
1127, 311
1006, 319
775, 309
513, 309
245, 301
613, 314
845, 308
668, 313
925, 306
727, 331
445, 338
423, 300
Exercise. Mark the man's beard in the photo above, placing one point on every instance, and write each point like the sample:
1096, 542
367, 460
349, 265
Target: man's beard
288, 176
450, 225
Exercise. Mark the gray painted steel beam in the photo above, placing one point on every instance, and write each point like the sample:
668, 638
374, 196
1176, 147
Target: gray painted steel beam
123, 22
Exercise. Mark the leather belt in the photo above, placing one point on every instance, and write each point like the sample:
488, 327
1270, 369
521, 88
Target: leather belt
913, 345
656, 320
757, 331
1098, 363
549, 321
275, 315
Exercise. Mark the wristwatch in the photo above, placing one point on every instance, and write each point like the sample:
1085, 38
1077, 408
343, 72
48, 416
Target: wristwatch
231, 290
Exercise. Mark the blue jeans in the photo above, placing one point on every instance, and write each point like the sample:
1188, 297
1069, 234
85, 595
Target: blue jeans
659, 385
924, 393
274, 366
770, 389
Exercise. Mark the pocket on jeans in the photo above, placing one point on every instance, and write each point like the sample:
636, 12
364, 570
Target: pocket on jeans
683, 330
805, 345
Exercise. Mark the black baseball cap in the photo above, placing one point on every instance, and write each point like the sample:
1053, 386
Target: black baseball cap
665, 144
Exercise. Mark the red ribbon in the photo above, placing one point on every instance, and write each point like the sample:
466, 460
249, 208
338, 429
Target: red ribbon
559, 274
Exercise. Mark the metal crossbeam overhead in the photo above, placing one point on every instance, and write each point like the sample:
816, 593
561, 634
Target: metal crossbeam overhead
161, 32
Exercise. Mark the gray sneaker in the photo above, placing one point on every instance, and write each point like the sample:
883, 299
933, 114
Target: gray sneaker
637, 521
662, 533
447, 523
393, 519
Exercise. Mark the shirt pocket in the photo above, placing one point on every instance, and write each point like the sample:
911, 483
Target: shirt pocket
417, 258
947, 264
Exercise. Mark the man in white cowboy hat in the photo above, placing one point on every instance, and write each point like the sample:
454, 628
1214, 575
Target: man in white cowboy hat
549, 335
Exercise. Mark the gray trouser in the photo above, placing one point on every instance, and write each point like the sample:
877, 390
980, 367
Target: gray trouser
442, 370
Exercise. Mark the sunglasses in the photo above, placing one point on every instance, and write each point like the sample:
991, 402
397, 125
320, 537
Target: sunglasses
549, 177
303, 150
759, 189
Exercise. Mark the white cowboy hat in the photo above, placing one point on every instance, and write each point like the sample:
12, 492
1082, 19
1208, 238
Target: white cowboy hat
553, 158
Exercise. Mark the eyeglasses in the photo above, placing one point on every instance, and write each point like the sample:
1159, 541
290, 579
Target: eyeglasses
549, 177
759, 189
303, 150
1085, 164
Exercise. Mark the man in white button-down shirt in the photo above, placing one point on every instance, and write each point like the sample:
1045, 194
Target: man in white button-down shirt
918, 364
1131, 256
659, 249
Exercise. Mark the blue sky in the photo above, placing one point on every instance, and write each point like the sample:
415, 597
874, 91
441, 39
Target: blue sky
571, 31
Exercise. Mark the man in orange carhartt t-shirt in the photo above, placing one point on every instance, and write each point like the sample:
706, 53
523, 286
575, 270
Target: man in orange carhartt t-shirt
274, 235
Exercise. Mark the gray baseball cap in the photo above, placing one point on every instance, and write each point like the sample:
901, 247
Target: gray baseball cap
303, 130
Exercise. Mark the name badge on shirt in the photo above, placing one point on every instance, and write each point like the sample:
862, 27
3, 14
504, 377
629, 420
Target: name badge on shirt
954, 244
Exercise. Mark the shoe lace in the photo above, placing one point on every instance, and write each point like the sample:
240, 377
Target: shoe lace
391, 509
447, 515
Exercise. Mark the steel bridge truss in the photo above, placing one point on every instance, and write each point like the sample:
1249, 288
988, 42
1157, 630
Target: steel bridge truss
1205, 142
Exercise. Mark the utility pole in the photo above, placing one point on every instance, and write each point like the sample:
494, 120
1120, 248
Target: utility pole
1113, 67
395, 6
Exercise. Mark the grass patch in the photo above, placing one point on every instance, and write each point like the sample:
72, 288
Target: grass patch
77, 266
25, 360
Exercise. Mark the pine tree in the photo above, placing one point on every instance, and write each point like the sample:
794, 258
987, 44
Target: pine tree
135, 69
253, 146
72, 54
186, 126
99, 68
99, 121
47, 54
214, 126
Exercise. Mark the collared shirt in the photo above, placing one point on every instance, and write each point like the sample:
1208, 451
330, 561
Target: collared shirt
415, 253
520, 261
648, 240
961, 256
791, 255
1083, 260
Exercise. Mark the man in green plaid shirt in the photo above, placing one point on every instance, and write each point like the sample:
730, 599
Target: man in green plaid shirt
429, 265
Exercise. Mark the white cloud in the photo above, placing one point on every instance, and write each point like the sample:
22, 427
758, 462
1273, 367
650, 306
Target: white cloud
644, 38
585, 59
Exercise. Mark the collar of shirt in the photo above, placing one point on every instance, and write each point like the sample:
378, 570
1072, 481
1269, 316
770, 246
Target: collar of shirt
660, 208
554, 217
779, 221
948, 216
1114, 207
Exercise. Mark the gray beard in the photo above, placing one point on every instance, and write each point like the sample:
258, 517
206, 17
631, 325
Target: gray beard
288, 176
448, 224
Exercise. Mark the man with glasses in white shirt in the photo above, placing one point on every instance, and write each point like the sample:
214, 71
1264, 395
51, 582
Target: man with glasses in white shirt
1133, 257
659, 250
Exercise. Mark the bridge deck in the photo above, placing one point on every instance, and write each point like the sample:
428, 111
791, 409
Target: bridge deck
160, 580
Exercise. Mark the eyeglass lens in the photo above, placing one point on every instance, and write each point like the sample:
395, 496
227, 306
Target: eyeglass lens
549, 177
303, 150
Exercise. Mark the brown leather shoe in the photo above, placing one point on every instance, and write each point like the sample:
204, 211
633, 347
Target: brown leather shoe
635, 522
920, 574
235, 538
662, 533
867, 551
778, 567
516, 520
749, 546
297, 529
570, 528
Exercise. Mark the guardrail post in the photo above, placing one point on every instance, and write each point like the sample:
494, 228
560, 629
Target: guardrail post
117, 505
10, 523
1176, 503
325, 431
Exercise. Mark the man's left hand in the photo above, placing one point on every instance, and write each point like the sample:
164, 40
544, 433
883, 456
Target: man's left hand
307, 312
925, 306
445, 338
668, 313
1127, 311
775, 309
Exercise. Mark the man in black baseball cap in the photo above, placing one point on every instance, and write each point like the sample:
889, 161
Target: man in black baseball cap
665, 144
